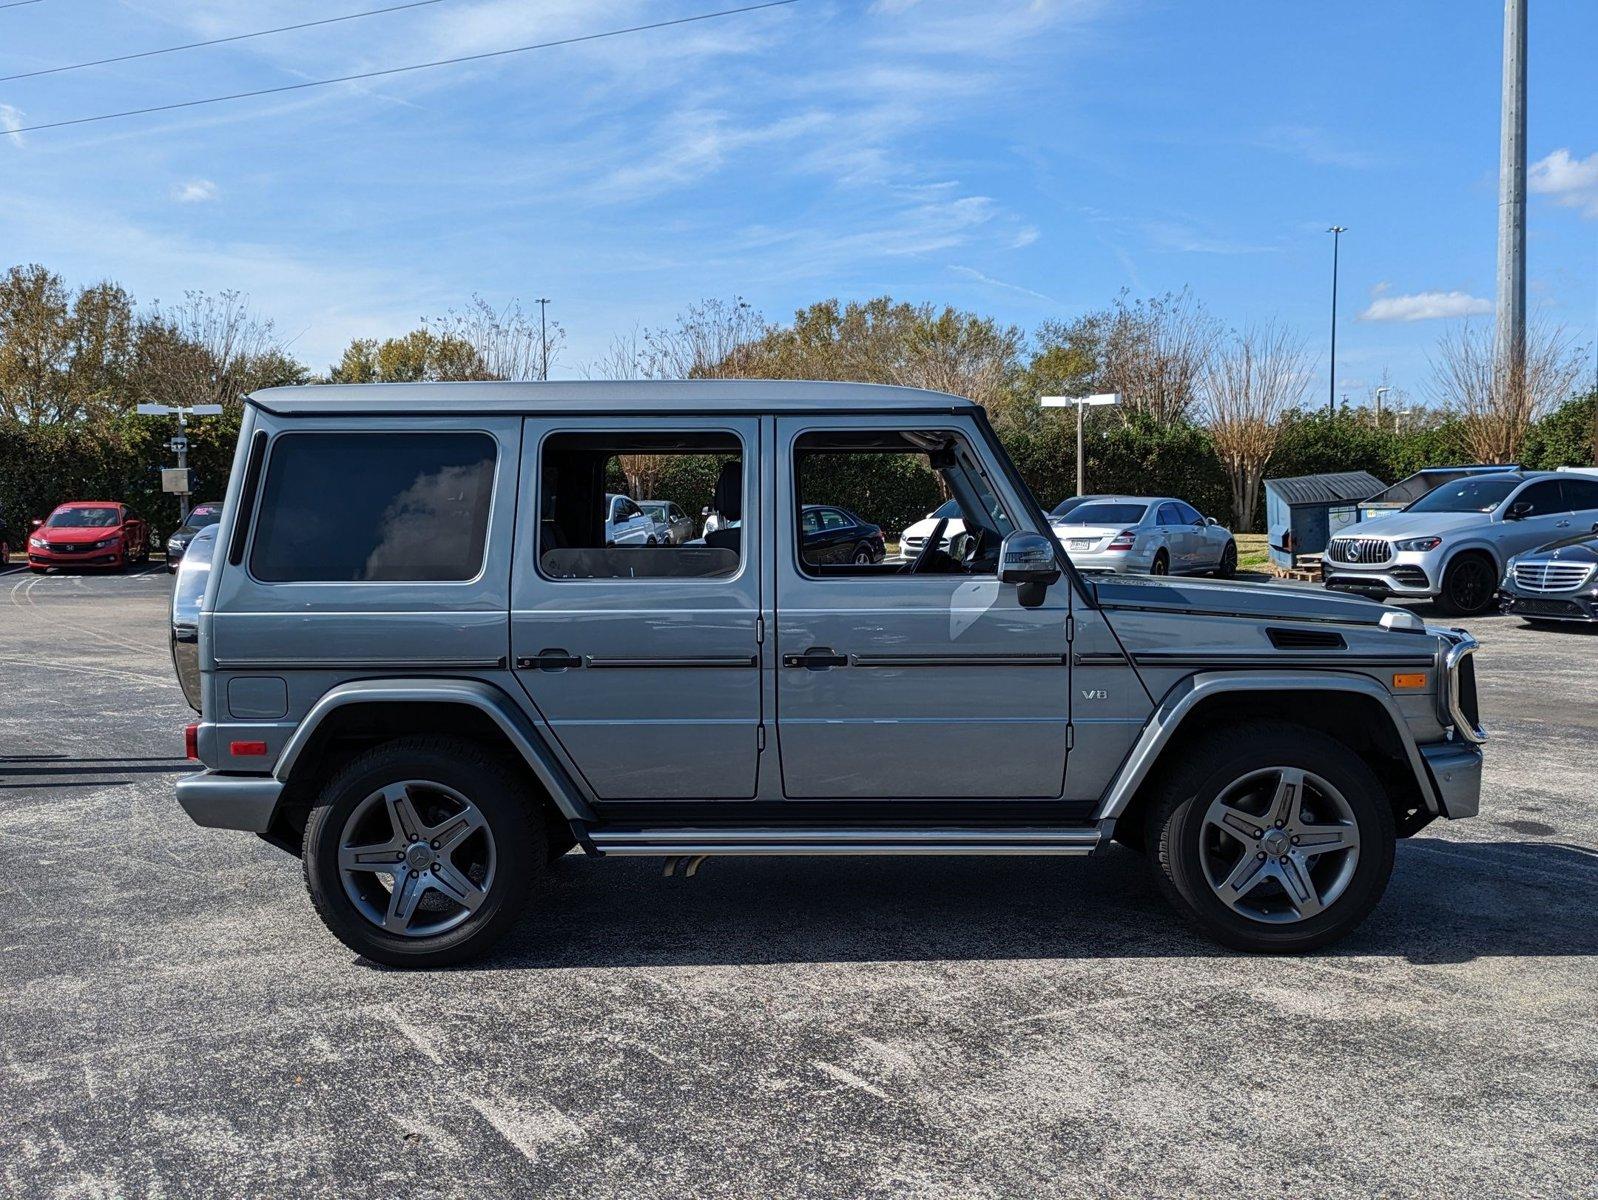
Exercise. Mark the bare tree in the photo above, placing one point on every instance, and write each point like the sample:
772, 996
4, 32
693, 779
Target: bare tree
1497, 402
1156, 352
208, 350
1250, 381
510, 342
710, 339
623, 359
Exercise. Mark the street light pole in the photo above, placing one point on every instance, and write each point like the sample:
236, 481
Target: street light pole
1337, 231
543, 341
1511, 332
1380, 392
1079, 403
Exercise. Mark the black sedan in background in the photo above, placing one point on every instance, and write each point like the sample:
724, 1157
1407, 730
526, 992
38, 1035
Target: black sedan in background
835, 535
1555, 582
200, 517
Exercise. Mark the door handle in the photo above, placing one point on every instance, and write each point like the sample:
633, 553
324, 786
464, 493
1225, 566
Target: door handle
549, 660
817, 658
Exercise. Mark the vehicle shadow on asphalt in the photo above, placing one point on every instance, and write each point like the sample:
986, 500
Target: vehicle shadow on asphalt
1449, 901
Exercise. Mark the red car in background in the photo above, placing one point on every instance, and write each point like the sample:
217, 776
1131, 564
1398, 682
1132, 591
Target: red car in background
89, 533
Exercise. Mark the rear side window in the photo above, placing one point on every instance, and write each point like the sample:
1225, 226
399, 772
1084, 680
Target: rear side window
1580, 494
374, 507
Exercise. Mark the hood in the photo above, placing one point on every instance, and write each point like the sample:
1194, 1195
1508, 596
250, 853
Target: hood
924, 527
1268, 601
1421, 524
76, 535
1582, 548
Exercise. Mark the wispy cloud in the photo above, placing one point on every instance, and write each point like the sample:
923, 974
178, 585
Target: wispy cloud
1174, 235
1571, 181
989, 281
1426, 306
1316, 146
11, 121
194, 191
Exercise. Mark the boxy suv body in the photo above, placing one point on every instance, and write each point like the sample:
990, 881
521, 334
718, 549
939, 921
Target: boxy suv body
432, 688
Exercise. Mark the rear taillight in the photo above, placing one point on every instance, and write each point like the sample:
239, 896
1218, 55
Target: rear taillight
191, 741
1122, 541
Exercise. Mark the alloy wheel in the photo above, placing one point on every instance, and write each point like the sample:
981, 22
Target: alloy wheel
1470, 585
1279, 845
416, 858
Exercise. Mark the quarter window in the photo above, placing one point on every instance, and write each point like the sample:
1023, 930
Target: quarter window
1580, 494
374, 507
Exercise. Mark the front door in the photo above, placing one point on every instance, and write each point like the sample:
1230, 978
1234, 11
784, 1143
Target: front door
911, 679
644, 660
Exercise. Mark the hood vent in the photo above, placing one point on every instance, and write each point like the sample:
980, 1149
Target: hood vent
1306, 639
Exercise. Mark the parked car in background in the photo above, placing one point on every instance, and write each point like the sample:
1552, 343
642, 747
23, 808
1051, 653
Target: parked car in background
89, 533
1153, 535
1454, 544
1554, 582
914, 537
201, 516
194, 571
672, 526
626, 524
829, 534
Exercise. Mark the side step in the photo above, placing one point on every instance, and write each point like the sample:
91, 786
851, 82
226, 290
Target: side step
678, 840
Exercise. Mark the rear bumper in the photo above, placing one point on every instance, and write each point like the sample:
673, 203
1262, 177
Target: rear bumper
1137, 563
220, 801
1455, 769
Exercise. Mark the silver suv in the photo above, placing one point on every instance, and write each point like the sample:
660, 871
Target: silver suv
432, 693
1452, 545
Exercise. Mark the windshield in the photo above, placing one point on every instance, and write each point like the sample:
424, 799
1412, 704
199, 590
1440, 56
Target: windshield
1070, 502
83, 518
949, 510
1466, 495
1105, 514
202, 515
658, 511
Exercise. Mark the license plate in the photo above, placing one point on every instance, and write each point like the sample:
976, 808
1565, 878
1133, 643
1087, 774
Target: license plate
1079, 544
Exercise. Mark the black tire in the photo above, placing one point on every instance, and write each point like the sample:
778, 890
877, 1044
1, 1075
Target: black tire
1469, 587
1161, 564
517, 829
1175, 828
863, 556
1228, 567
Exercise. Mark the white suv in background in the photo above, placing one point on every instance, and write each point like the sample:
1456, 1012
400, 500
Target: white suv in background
1452, 544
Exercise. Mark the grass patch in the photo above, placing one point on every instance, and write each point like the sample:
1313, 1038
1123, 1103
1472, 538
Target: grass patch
1253, 550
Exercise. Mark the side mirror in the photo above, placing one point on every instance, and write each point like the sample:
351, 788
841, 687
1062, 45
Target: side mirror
1518, 511
1211, 521
705, 511
1027, 560
35, 523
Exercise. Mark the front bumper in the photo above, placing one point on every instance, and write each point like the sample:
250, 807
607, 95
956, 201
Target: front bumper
71, 558
220, 801
1570, 606
1414, 573
1455, 770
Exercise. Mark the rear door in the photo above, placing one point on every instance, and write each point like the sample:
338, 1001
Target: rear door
894, 685
643, 660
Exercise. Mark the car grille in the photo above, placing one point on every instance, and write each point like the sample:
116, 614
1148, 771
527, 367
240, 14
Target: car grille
1551, 576
1360, 550
69, 547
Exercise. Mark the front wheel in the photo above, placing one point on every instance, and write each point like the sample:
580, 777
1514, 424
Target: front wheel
422, 851
1468, 587
1228, 565
1279, 839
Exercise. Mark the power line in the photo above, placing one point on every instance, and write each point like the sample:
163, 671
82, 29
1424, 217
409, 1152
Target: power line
18, 3
442, 62
237, 37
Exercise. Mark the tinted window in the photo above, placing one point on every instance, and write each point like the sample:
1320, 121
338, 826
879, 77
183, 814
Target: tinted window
1105, 514
1580, 494
1189, 514
948, 511
1168, 515
351, 507
1543, 497
831, 518
1480, 494
203, 515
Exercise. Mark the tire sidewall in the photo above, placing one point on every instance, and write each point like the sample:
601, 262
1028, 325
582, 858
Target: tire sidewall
516, 843
1179, 841
1446, 597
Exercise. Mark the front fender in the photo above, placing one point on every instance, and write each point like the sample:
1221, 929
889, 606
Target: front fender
474, 693
1186, 696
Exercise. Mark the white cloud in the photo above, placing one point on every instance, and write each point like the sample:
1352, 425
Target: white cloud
10, 122
1425, 306
194, 191
1572, 182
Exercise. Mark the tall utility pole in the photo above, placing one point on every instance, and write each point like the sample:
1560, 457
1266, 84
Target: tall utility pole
543, 340
1337, 231
1510, 346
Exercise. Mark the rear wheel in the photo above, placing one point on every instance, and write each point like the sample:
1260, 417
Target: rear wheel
422, 851
862, 556
1468, 587
1279, 840
1162, 564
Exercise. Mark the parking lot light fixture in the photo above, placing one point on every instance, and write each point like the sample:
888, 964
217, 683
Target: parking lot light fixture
1079, 403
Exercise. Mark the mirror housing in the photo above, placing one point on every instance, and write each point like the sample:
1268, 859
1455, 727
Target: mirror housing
36, 522
1026, 557
1211, 521
1518, 511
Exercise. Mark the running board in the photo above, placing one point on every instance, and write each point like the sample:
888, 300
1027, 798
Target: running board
678, 841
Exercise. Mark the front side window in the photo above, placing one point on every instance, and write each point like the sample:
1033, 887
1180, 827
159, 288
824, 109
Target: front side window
591, 527
862, 494
374, 507
1188, 515
1542, 499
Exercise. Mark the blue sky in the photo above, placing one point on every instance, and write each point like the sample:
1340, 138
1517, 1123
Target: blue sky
1024, 158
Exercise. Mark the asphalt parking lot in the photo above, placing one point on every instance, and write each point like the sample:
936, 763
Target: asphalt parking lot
175, 1021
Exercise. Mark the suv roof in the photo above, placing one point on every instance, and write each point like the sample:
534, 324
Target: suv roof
601, 396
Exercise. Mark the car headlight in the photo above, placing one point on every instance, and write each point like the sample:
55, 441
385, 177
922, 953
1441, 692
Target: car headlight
1420, 543
105, 542
36, 543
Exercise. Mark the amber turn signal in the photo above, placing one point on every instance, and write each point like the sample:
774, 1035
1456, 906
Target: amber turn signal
1408, 683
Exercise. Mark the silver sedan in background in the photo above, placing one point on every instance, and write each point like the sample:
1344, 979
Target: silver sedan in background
1152, 535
